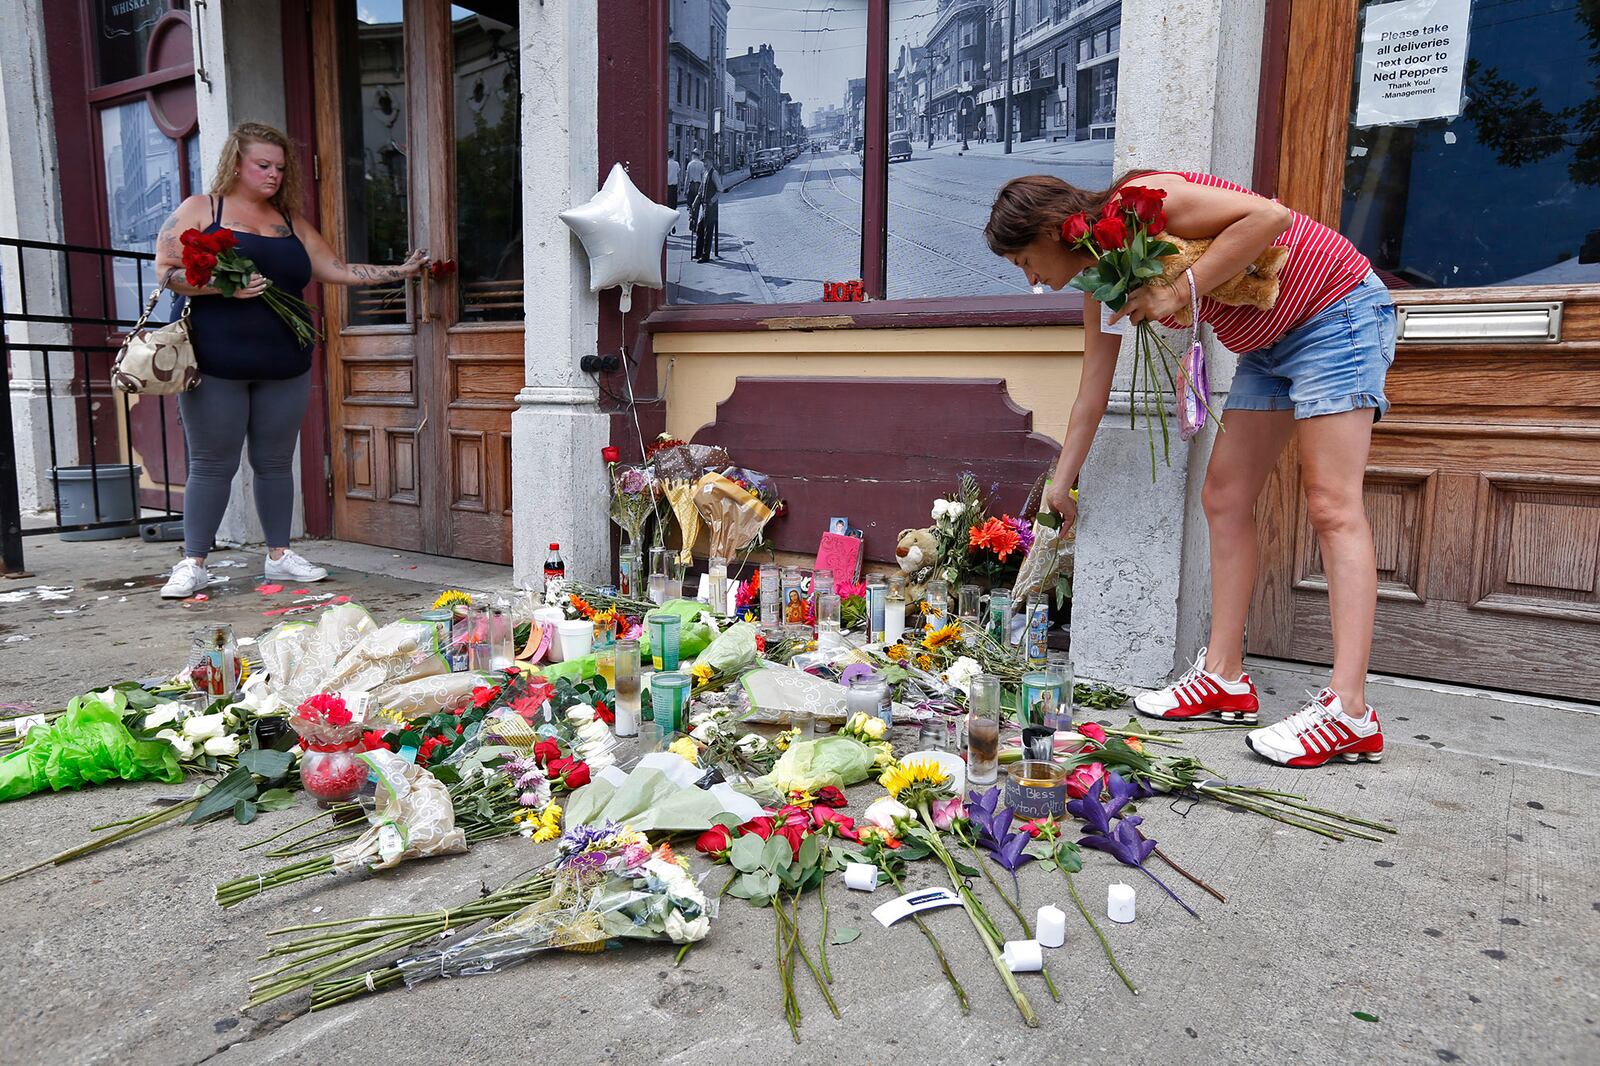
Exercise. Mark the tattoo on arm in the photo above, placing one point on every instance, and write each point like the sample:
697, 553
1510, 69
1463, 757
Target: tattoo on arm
366, 272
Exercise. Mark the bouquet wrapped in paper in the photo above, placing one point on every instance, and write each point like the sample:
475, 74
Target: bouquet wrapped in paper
734, 513
625, 891
415, 818
633, 498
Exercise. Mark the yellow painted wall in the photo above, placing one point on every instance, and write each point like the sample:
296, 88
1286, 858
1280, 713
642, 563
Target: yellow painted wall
1040, 364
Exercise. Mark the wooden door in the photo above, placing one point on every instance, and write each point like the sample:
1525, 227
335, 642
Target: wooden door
419, 146
1483, 487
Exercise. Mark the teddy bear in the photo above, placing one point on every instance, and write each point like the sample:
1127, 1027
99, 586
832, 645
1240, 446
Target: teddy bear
1256, 286
916, 550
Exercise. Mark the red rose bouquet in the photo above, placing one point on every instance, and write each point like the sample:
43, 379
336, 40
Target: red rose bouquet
213, 259
1126, 244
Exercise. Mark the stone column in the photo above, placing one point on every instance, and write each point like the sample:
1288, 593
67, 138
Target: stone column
243, 47
30, 207
557, 431
1141, 591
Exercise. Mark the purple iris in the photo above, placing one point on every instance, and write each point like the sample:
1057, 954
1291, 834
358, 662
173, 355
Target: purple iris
994, 831
1117, 834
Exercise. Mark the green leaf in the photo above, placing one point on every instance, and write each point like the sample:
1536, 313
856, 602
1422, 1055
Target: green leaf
843, 935
810, 848
244, 812
771, 884
266, 762
1148, 270
1364, 1016
275, 799
446, 775
777, 853
1068, 856
790, 875
963, 869
745, 855
237, 785
912, 850
1162, 249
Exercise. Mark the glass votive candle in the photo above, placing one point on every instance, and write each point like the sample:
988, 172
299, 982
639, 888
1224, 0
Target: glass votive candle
664, 630
669, 698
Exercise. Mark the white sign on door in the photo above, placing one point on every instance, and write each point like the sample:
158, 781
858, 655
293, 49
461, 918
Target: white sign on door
1413, 55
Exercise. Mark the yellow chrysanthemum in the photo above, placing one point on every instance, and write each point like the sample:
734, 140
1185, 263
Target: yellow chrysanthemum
924, 662
901, 776
686, 748
701, 672
897, 652
785, 738
549, 821
451, 597
943, 635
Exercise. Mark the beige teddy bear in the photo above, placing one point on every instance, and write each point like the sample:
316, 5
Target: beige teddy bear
916, 551
1256, 286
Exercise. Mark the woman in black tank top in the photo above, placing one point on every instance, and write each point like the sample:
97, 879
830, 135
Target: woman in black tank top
255, 376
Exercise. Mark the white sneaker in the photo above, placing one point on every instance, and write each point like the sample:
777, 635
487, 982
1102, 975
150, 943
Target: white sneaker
1318, 732
188, 578
1198, 694
291, 567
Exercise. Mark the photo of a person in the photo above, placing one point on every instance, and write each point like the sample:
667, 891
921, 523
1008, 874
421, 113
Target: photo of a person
794, 610
838, 525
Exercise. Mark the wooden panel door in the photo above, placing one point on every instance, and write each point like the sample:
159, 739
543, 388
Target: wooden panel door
417, 105
1483, 486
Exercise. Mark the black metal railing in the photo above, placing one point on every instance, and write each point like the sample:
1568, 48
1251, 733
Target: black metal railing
94, 296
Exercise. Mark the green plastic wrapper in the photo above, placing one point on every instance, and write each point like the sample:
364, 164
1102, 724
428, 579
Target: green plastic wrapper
693, 638
812, 764
87, 745
733, 652
649, 802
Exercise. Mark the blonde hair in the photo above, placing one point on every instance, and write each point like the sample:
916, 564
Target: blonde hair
226, 176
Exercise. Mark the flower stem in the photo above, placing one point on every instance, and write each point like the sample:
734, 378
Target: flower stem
1164, 857
974, 909
147, 821
1105, 945
1016, 911
822, 942
933, 941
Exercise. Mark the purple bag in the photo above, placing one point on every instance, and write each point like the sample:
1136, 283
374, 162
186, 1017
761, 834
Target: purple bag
1195, 391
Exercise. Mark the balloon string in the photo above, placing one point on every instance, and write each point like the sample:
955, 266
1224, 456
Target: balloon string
628, 368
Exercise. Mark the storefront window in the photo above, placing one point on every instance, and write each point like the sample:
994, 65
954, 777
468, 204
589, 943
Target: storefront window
141, 181
123, 29
488, 133
373, 98
784, 219
940, 195
1498, 184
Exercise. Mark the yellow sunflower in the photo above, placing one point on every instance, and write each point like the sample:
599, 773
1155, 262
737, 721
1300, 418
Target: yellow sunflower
915, 774
938, 638
451, 597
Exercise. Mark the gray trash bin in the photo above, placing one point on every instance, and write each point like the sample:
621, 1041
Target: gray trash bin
76, 486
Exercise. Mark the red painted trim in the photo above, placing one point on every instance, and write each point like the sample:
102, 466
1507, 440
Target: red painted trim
1051, 310
875, 163
1269, 107
153, 80
316, 489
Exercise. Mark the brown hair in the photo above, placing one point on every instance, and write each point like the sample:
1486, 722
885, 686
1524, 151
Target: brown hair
1034, 203
287, 198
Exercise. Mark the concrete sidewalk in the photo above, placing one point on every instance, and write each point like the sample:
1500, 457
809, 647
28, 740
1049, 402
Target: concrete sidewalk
1471, 937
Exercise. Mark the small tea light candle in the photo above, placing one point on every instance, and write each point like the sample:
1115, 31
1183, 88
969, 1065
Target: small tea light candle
861, 876
1023, 956
1119, 903
1051, 926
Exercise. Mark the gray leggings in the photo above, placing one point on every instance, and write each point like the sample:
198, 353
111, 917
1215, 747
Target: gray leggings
217, 418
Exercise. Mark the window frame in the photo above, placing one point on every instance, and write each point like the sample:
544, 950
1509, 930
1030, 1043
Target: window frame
877, 312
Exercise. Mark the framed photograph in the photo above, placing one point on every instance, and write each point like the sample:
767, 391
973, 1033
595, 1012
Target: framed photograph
839, 524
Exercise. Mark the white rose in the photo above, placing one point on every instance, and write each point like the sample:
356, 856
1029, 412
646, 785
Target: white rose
938, 509
883, 811
703, 717
184, 748
955, 508
703, 731
222, 746
668, 873
163, 714
580, 712
205, 726
686, 932
752, 742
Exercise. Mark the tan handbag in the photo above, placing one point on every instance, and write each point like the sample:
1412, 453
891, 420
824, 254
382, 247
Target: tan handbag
157, 362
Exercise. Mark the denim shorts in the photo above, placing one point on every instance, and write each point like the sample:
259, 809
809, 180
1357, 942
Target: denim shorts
1334, 363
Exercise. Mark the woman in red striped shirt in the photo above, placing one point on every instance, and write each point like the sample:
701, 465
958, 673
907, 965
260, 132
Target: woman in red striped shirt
1312, 367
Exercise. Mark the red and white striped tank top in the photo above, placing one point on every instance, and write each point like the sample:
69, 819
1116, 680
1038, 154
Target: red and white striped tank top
1323, 268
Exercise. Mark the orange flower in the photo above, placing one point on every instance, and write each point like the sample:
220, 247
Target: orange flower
583, 607
996, 536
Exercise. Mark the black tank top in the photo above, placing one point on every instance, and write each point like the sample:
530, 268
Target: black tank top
245, 340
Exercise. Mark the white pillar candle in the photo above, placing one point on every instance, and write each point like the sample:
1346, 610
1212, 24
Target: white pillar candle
1023, 956
1051, 926
703, 592
861, 876
1119, 903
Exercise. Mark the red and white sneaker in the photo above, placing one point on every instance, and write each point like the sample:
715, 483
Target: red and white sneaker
1318, 732
1198, 694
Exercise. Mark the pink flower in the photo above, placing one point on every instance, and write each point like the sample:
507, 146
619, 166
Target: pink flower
1093, 731
1085, 779
947, 811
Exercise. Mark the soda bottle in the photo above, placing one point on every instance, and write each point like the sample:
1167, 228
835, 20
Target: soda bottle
555, 571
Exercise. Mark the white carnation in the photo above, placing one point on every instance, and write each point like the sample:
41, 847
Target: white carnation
686, 932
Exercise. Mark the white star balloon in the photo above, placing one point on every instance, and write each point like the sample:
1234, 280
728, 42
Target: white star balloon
623, 231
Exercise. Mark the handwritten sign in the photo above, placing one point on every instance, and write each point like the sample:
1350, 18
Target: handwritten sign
1413, 55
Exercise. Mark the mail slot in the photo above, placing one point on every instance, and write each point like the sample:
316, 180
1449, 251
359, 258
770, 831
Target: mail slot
1479, 323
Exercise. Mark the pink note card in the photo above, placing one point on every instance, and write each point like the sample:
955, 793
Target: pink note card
841, 555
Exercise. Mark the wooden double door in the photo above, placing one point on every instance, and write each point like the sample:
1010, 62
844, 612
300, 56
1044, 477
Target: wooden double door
1483, 486
418, 146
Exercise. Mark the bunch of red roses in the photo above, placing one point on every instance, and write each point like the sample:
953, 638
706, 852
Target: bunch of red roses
791, 823
212, 259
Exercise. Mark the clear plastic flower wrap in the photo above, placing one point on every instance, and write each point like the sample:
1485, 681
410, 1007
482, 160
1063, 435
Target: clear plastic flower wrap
627, 893
1049, 557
